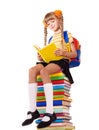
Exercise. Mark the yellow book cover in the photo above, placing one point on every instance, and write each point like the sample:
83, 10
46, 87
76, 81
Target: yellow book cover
48, 52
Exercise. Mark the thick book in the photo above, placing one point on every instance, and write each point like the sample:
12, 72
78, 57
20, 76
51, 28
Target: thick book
56, 121
68, 124
54, 93
55, 87
53, 78
55, 97
62, 81
48, 52
59, 116
61, 126
66, 115
57, 109
55, 103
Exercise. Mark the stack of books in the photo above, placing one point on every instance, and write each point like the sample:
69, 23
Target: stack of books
61, 102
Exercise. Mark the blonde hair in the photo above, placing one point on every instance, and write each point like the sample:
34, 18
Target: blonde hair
50, 16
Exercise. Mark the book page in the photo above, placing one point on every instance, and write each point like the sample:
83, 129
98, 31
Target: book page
48, 53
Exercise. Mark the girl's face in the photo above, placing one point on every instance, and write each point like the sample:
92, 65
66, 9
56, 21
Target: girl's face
54, 24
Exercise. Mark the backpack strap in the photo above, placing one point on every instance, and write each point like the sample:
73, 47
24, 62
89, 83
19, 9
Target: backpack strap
66, 37
74, 62
50, 39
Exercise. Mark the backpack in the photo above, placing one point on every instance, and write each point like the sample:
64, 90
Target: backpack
74, 62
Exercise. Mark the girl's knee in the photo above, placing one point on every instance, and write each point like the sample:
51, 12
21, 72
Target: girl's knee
43, 71
32, 75
32, 70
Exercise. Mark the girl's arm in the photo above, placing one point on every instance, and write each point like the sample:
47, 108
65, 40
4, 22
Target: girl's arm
71, 54
64, 53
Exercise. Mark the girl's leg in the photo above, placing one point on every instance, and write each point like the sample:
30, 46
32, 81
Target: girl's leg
49, 69
32, 88
48, 87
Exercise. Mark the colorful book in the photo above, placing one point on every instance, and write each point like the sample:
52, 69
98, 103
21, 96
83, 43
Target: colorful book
56, 121
58, 117
55, 107
61, 97
52, 78
55, 103
64, 127
54, 93
60, 73
55, 97
62, 124
62, 81
56, 110
56, 88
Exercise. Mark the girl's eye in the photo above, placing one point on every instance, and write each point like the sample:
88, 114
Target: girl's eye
52, 21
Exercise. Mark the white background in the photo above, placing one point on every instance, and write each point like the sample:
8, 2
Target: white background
20, 27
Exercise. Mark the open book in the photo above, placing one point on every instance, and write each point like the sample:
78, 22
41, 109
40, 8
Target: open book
48, 52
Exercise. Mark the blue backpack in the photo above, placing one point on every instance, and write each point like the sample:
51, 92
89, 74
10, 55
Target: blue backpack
74, 62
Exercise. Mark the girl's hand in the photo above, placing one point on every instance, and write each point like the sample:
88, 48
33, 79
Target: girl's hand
59, 52
39, 57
